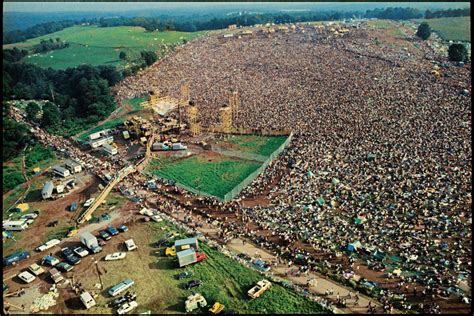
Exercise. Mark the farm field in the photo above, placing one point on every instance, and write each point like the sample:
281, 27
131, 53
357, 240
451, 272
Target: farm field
133, 104
451, 29
224, 279
100, 46
213, 174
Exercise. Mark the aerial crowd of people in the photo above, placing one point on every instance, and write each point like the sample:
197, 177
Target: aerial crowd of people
380, 163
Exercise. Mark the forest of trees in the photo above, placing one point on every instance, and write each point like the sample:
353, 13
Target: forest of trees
79, 97
209, 22
49, 45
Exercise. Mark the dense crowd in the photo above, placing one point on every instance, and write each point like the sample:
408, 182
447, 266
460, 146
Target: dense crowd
381, 153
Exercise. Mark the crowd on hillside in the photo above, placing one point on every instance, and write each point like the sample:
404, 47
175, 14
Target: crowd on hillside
381, 158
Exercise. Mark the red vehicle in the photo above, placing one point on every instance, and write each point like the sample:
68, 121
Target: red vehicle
200, 256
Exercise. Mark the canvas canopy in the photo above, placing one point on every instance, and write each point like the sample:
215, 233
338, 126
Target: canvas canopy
23, 207
354, 246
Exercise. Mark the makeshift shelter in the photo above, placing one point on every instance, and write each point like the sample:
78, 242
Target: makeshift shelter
379, 255
397, 272
6, 234
37, 170
359, 220
310, 174
354, 246
335, 181
23, 207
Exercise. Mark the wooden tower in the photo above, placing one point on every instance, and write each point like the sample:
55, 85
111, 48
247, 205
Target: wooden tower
226, 119
194, 124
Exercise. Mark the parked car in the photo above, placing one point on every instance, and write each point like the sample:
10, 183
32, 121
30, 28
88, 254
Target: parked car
26, 277
69, 255
125, 308
122, 228
112, 230
104, 235
81, 252
29, 216
244, 256
115, 256
36, 269
64, 266
15, 257
50, 261
193, 283
128, 297
183, 275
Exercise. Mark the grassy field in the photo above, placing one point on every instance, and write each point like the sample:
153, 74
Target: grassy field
36, 156
134, 104
215, 175
260, 145
100, 46
454, 29
224, 280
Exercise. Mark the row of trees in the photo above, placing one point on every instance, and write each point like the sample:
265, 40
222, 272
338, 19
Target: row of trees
15, 135
447, 13
49, 45
212, 22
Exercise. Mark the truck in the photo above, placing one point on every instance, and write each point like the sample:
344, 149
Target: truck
14, 225
15, 257
91, 242
194, 301
87, 300
189, 256
259, 289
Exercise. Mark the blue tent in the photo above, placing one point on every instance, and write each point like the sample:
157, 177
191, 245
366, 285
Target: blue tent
354, 246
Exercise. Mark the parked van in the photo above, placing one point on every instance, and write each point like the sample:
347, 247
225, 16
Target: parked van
87, 300
15, 225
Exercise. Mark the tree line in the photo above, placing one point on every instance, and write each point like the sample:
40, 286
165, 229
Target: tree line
212, 22
78, 97
49, 45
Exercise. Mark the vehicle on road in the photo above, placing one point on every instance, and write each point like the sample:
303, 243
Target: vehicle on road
216, 308
183, 275
15, 257
104, 235
50, 261
193, 283
112, 230
127, 307
194, 301
81, 251
64, 266
26, 277
115, 256
122, 228
89, 202
130, 244
36, 269
259, 289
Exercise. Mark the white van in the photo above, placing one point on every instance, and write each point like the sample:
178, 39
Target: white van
15, 225
26, 277
87, 300
130, 244
49, 244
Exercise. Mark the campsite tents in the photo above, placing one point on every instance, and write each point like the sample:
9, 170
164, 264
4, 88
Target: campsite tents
23, 207
354, 246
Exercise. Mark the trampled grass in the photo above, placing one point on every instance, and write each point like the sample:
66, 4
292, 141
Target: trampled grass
215, 175
100, 46
454, 29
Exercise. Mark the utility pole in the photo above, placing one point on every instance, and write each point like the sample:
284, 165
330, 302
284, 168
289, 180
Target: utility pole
98, 273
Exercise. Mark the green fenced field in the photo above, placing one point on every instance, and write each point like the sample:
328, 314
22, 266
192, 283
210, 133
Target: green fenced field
261, 145
451, 29
215, 175
100, 46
